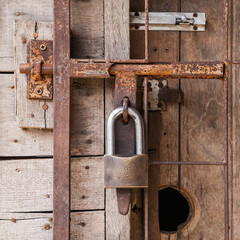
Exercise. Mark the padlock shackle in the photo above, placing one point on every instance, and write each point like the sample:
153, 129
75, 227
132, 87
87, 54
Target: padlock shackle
139, 129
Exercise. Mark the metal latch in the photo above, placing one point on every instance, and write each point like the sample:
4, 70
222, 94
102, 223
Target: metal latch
39, 85
160, 94
169, 21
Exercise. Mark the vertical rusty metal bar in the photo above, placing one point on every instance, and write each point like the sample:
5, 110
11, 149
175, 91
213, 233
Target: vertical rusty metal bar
61, 185
225, 56
145, 104
125, 86
146, 30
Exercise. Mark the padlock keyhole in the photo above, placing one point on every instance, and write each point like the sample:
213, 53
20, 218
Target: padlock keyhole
175, 210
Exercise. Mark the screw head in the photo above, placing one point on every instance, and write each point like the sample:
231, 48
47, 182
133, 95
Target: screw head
46, 226
43, 47
45, 107
195, 28
195, 15
24, 40
13, 220
39, 91
18, 13
17, 170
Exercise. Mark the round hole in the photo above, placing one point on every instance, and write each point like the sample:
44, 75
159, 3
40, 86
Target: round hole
175, 210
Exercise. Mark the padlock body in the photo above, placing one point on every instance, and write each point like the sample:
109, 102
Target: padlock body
126, 172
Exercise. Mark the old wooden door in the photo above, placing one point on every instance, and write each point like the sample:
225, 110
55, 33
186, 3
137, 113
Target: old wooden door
178, 134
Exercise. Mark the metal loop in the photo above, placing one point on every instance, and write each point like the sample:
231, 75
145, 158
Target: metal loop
139, 129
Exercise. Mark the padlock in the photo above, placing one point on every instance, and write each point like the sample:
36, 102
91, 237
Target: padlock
125, 172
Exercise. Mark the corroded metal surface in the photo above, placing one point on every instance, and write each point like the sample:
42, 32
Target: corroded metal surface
196, 70
172, 70
126, 172
62, 180
125, 86
40, 86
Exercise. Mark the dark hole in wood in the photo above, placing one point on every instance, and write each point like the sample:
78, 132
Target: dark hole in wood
175, 210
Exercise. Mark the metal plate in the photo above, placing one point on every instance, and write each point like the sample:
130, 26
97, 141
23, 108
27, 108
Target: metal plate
40, 86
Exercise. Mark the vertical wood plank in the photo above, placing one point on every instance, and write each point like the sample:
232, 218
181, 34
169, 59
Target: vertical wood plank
61, 188
87, 29
116, 15
202, 125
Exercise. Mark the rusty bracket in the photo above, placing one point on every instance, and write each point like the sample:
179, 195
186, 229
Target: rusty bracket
39, 86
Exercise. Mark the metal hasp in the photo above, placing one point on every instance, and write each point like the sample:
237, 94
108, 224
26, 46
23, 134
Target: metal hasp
40, 86
169, 21
121, 171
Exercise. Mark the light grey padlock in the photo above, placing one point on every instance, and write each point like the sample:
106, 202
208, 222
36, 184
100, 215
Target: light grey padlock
125, 172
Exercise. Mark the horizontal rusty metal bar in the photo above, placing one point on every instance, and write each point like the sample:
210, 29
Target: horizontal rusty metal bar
200, 70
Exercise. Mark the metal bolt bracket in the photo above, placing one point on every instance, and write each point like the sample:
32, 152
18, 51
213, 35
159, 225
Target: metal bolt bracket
169, 21
160, 95
40, 86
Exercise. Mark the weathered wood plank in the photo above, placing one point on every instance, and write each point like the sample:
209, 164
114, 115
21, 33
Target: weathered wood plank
205, 186
87, 225
117, 36
87, 116
13, 9
7, 64
30, 112
15, 141
84, 226
202, 125
87, 41
26, 185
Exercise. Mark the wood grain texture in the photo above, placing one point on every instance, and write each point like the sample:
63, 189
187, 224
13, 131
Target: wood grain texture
30, 112
202, 125
28, 10
87, 116
26, 185
84, 226
87, 29
117, 36
15, 141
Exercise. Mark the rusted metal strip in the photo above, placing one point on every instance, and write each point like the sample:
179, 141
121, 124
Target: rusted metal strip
125, 86
61, 186
105, 70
